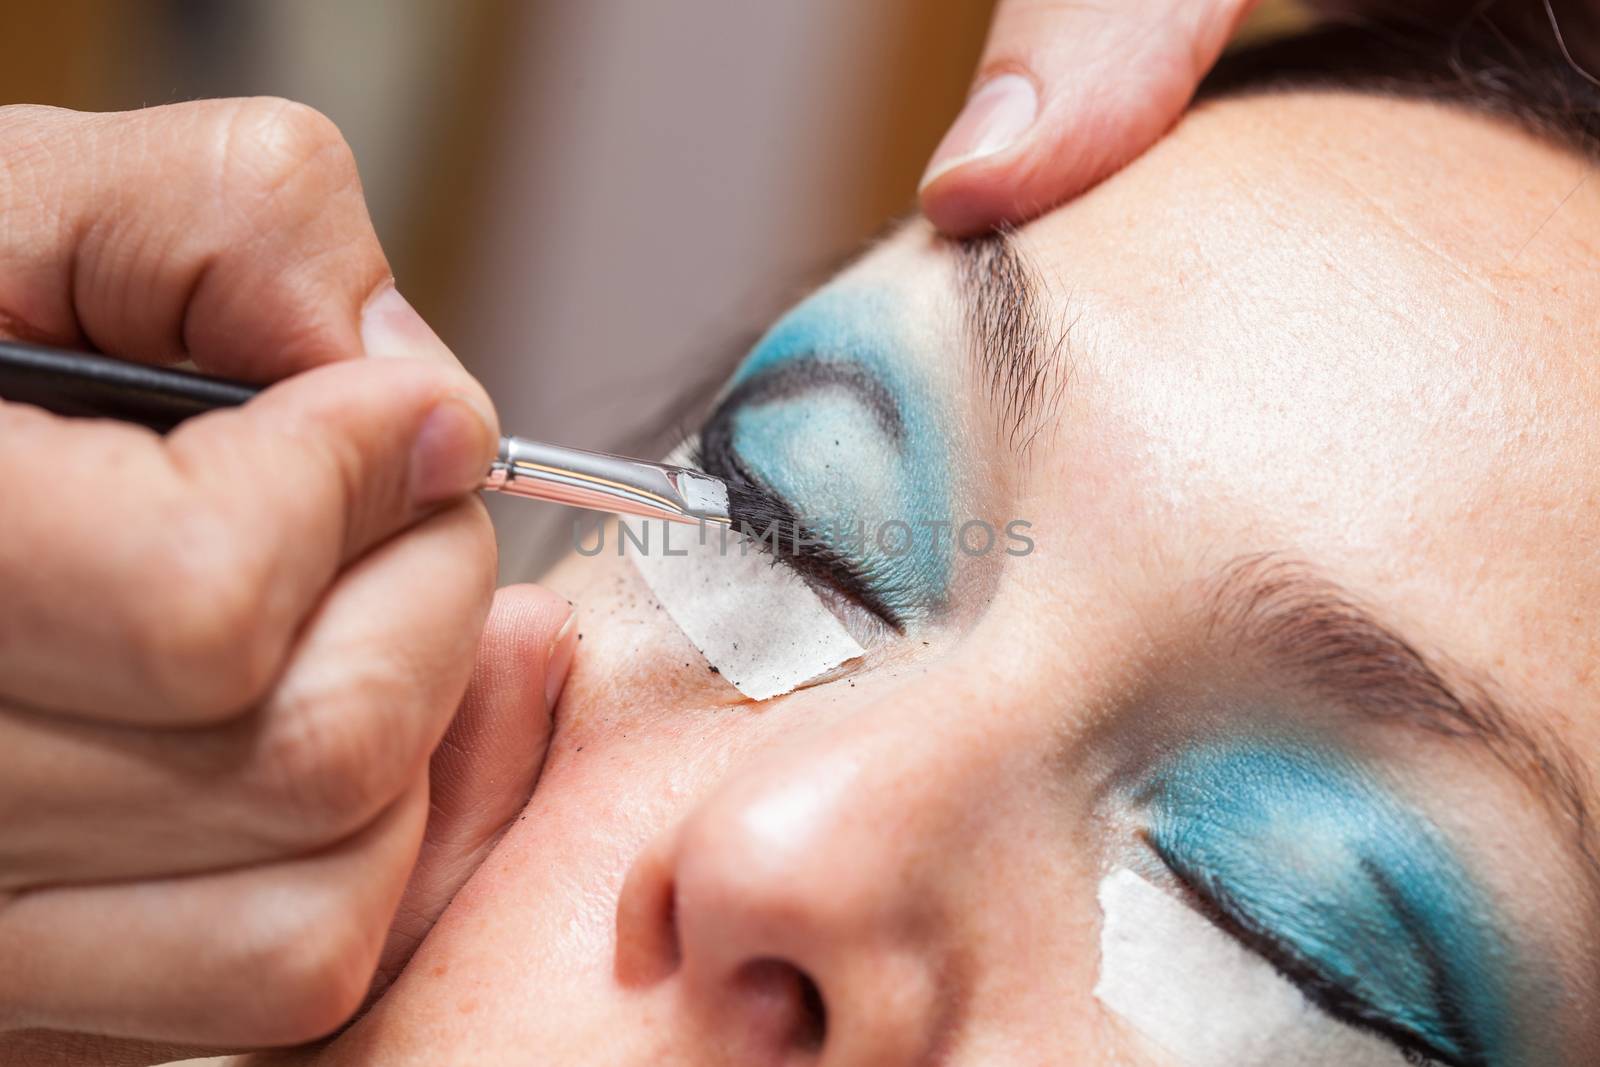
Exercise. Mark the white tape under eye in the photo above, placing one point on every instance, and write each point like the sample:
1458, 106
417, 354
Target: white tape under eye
757, 622
1197, 993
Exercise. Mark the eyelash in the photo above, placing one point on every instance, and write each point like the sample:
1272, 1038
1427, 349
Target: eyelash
1214, 903
756, 510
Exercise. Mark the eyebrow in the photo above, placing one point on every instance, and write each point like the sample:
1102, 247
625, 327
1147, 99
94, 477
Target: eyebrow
1318, 634
1020, 351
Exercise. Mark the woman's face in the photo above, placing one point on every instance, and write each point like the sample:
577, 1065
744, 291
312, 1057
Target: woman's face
1300, 409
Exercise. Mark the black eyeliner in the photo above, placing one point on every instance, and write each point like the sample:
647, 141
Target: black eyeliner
1218, 906
761, 513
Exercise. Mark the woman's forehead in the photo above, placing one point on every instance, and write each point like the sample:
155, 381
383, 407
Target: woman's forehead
1325, 304
1330, 327
1287, 238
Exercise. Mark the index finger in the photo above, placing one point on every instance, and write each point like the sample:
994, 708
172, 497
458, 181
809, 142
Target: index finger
163, 580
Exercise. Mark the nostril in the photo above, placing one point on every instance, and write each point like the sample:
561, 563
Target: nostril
671, 949
814, 1030
782, 1006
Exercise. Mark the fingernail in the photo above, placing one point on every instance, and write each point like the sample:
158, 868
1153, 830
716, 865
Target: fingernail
560, 664
994, 118
452, 452
392, 329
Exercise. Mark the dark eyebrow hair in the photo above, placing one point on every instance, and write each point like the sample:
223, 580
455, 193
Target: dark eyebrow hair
1319, 635
1020, 353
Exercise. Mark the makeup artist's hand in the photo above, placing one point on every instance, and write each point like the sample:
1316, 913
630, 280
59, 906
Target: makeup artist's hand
227, 656
1065, 94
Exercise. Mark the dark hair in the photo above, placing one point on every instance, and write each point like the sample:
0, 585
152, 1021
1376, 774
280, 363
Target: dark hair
1512, 58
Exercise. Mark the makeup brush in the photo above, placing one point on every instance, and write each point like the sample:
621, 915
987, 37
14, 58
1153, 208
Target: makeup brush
80, 384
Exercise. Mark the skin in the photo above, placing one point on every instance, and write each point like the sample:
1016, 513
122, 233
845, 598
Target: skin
1313, 325
1090, 87
192, 728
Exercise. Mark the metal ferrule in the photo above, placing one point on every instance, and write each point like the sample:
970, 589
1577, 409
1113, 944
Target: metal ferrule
605, 482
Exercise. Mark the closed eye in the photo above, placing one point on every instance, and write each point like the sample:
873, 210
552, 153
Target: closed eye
1307, 859
771, 523
1212, 900
817, 548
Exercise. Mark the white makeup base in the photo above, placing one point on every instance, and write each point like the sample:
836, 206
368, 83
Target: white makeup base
758, 623
1196, 993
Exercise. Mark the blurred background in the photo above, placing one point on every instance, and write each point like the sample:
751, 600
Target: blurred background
597, 203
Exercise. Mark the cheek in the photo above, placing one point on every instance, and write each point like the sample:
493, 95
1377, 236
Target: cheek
643, 719
633, 667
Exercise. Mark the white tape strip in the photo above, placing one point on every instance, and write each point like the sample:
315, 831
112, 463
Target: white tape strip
1200, 995
756, 621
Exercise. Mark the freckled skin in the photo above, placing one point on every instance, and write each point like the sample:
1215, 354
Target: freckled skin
1297, 328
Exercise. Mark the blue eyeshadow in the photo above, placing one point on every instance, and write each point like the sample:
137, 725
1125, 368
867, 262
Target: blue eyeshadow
857, 448
1305, 848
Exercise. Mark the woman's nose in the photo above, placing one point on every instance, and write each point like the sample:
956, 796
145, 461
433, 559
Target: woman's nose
798, 915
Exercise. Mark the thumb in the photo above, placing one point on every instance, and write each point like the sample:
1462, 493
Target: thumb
485, 769
1066, 93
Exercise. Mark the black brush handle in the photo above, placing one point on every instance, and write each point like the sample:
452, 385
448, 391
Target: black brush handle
80, 384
